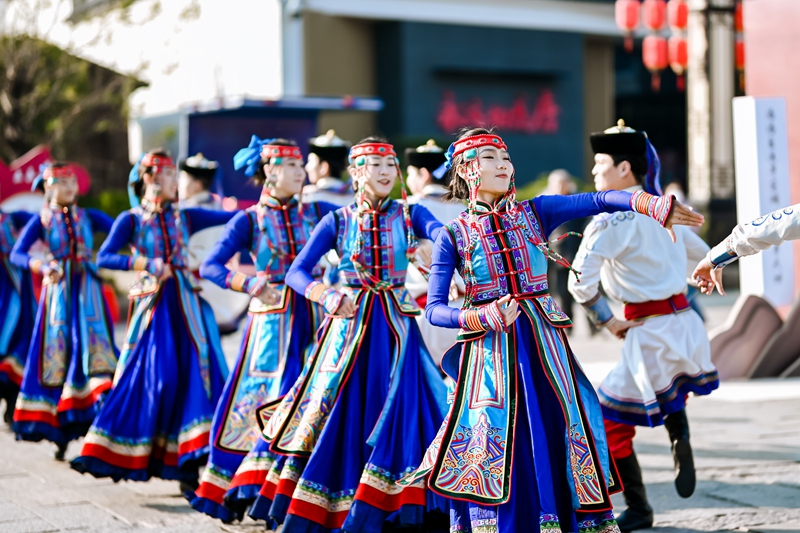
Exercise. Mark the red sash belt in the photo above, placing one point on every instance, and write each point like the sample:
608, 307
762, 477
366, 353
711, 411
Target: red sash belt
673, 304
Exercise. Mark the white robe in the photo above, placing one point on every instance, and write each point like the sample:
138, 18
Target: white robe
760, 234
329, 190
438, 340
637, 262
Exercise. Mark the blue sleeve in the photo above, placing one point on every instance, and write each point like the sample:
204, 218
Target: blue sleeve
443, 265
31, 233
120, 235
425, 225
101, 222
20, 218
235, 237
321, 241
325, 208
555, 210
200, 219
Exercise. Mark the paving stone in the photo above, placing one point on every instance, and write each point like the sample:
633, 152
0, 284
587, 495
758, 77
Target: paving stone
78, 515
11, 512
32, 525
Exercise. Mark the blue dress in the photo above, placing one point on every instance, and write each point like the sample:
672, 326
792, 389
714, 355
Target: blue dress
523, 442
72, 357
372, 398
277, 338
157, 418
18, 309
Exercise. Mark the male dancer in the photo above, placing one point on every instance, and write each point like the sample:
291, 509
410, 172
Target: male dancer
428, 185
327, 159
666, 353
194, 184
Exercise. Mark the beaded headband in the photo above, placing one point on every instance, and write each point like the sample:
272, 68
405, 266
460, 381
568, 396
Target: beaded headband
472, 143
275, 150
51, 173
365, 149
157, 161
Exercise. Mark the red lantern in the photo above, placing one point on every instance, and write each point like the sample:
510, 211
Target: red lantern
654, 14
678, 15
627, 16
679, 58
655, 53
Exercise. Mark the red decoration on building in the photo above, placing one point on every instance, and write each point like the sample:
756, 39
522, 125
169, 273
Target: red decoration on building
738, 23
739, 55
679, 58
541, 119
654, 14
627, 17
17, 177
738, 18
678, 15
655, 53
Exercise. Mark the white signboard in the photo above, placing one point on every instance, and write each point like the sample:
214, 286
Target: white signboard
762, 186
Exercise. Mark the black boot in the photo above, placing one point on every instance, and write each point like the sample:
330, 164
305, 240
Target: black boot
61, 451
188, 487
639, 514
11, 400
678, 427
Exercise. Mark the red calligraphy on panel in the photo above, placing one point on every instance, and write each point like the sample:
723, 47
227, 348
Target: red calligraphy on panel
541, 118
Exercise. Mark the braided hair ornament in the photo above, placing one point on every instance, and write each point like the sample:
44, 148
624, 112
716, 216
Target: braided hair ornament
505, 206
358, 158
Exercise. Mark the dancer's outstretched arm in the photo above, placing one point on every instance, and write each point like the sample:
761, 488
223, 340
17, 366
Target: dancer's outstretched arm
747, 239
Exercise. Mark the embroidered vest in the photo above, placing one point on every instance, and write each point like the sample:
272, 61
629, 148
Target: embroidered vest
385, 244
161, 235
504, 260
68, 234
283, 232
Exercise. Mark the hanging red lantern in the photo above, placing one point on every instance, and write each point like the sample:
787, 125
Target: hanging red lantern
654, 14
678, 15
679, 58
627, 17
655, 53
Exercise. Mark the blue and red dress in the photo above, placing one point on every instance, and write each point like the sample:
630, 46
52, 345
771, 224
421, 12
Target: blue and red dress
19, 309
277, 337
523, 441
72, 357
157, 418
372, 398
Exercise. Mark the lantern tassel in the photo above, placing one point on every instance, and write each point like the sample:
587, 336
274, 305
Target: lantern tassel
629, 43
656, 82
682, 82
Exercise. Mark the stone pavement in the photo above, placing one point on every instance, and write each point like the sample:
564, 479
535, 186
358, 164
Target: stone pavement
746, 438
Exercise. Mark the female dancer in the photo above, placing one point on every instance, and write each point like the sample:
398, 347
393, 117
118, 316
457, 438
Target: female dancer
519, 388
157, 418
19, 310
280, 324
371, 398
72, 356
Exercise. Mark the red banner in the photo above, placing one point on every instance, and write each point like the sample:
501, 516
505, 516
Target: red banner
541, 118
18, 177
